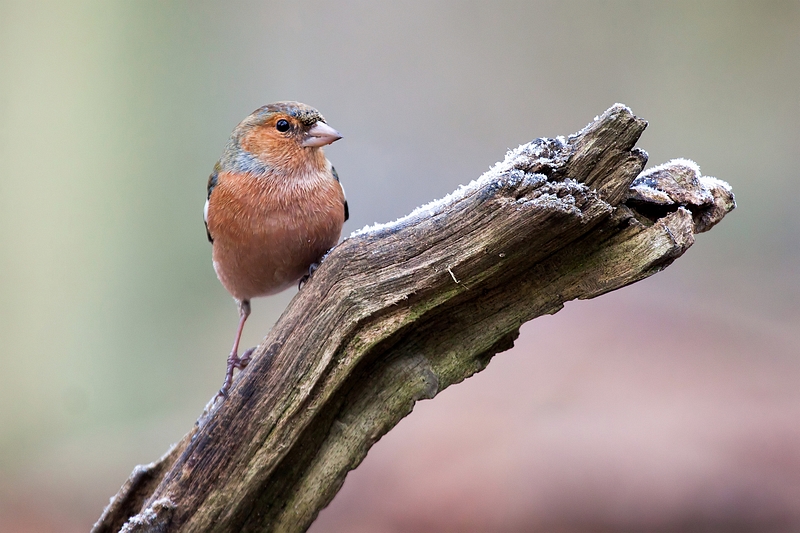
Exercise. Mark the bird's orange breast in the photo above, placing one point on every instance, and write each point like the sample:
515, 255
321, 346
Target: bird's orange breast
268, 230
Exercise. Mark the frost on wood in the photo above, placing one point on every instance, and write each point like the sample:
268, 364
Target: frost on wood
399, 311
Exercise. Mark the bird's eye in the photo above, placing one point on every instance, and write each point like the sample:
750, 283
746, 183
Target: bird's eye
282, 125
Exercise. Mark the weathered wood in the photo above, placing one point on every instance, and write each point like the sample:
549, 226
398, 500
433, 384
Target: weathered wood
398, 312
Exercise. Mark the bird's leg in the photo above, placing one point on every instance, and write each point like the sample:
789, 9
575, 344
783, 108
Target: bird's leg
234, 361
311, 269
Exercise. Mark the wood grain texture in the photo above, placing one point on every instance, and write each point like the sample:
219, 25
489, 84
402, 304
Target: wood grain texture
398, 312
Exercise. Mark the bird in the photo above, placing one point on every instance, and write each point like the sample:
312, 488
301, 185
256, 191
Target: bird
274, 208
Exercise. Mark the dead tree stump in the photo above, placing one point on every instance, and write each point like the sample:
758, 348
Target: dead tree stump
400, 311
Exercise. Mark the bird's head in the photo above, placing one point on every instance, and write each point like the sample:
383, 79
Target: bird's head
284, 136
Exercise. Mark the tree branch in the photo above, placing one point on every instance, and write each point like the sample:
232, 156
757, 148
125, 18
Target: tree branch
398, 312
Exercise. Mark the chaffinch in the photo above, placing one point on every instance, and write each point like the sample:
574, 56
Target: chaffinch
274, 207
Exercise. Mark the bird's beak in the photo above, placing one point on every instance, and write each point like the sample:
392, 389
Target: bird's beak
320, 134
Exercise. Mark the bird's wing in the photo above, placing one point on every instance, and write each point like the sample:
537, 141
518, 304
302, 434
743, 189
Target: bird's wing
212, 182
346, 209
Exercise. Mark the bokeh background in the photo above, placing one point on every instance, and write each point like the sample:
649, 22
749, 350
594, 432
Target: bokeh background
670, 405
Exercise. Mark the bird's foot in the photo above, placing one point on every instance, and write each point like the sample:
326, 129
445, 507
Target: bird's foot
234, 362
245, 358
311, 269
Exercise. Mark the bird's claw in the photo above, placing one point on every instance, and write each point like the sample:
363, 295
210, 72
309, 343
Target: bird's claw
234, 362
245, 358
311, 269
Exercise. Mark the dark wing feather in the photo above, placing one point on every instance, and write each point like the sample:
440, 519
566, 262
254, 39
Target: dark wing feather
346, 209
212, 182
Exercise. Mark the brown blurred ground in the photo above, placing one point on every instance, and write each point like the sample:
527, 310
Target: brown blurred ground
671, 405
626, 415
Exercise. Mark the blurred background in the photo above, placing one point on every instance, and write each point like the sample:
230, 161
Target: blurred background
670, 405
